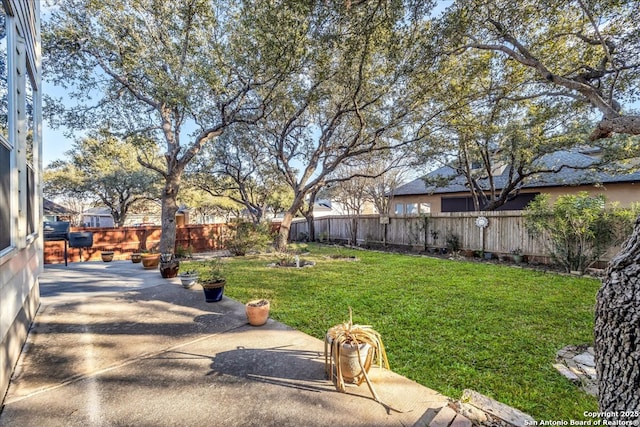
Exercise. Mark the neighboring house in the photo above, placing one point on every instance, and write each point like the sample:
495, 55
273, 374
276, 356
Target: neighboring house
55, 212
21, 242
331, 208
97, 217
416, 197
148, 214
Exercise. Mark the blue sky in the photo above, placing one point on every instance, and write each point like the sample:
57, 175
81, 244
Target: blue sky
54, 143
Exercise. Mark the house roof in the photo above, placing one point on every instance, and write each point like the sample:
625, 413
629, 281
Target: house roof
52, 208
571, 174
97, 211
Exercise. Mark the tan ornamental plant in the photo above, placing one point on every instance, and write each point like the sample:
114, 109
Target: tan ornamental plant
349, 352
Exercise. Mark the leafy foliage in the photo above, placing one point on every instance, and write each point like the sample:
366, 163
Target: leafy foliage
211, 271
247, 236
102, 170
574, 54
580, 228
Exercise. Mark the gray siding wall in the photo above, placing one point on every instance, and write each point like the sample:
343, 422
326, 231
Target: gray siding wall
22, 261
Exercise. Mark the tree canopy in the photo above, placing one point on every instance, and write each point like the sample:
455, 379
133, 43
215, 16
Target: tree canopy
178, 73
102, 170
582, 54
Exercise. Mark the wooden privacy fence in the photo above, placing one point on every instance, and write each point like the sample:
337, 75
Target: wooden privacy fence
126, 240
505, 232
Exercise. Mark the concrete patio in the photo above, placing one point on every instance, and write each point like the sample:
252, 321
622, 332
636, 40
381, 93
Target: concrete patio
114, 345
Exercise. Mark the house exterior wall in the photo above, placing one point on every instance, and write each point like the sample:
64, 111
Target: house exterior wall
623, 193
21, 256
97, 220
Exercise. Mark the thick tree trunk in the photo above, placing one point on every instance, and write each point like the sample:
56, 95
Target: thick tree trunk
617, 332
285, 225
311, 226
283, 235
169, 210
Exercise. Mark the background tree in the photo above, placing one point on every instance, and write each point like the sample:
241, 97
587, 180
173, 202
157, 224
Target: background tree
576, 52
584, 54
58, 184
238, 168
498, 141
367, 182
102, 170
179, 73
205, 208
355, 98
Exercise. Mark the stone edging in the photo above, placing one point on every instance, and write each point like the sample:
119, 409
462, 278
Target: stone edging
577, 364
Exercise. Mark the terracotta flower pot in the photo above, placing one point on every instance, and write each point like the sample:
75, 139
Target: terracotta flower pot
258, 312
150, 261
107, 256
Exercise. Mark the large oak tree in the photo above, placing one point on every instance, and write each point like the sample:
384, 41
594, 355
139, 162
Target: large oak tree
358, 96
177, 72
585, 54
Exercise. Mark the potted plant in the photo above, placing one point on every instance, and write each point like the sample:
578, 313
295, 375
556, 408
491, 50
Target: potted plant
257, 311
213, 281
136, 257
169, 266
188, 278
107, 256
517, 255
150, 260
349, 352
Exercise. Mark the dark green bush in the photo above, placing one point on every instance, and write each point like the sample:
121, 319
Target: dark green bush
578, 228
246, 237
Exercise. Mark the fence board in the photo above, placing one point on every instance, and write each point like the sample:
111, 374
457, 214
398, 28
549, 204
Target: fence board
506, 231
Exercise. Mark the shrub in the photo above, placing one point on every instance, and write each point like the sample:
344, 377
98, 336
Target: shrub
453, 242
184, 251
579, 228
246, 236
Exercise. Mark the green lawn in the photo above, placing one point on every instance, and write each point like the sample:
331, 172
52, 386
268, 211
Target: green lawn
448, 325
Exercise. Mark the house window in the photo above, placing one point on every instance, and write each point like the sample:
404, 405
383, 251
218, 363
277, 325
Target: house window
31, 187
399, 209
412, 209
425, 208
457, 204
5, 147
5, 195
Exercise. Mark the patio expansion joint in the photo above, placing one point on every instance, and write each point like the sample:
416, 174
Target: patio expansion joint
129, 361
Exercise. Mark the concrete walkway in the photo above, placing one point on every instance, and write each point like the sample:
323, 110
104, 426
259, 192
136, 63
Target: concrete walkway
116, 345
